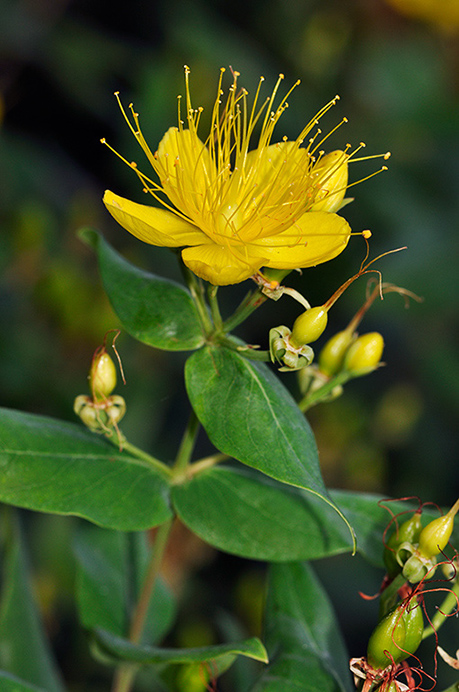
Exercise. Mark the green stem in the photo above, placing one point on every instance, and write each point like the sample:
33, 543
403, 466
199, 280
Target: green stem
446, 608
125, 675
251, 302
389, 595
121, 442
196, 291
214, 307
314, 397
245, 350
186, 446
206, 463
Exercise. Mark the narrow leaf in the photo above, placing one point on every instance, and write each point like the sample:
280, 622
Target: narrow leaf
156, 311
24, 649
306, 649
52, 466
122, 650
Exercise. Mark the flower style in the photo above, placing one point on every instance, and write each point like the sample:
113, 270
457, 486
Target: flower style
235, 211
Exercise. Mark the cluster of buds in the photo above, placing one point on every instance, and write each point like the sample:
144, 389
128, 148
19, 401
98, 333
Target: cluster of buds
410, 557
101, 411
412, 549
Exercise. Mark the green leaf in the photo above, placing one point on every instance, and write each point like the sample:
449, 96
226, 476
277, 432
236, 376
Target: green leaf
111, 570
156, 311
24, 649
52, 466
122, 650
249, 415
243, 512
306, 649
10, 683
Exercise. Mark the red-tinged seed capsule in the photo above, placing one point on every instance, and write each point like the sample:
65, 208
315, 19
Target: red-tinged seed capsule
102, 376
331, 357
308, 326
435, 536
364, 354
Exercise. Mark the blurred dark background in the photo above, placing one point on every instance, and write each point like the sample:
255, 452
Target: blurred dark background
394, 432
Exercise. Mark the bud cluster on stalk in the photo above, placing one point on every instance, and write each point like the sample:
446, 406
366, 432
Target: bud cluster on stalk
101, 411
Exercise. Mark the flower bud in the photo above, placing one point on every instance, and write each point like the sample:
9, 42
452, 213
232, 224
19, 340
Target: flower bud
309, 326
332, 355
435, 536
102, 376
331, 181
364, 354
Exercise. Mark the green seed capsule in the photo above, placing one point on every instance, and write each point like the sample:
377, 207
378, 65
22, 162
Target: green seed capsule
414, 626
435, 536
408, 532
387, 641
102, 376
332, 355
397, 636
365, 353
308, 326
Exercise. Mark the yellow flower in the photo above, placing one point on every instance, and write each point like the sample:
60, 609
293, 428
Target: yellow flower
234, 210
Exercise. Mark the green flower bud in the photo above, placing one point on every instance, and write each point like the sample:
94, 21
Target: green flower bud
332, 355
309, 326
364, 354
408, 532
435, 536
102, 376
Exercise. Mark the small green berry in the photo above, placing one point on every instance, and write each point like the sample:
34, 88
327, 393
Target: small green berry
309, 326
364, 354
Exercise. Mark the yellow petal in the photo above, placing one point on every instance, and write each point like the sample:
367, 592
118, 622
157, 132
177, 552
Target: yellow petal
316, 237
185, 168
220, 265
276, 162
330, 180
152, 225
